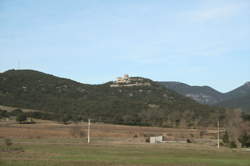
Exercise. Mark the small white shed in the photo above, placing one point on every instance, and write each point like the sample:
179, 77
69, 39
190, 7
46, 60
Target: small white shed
156, 139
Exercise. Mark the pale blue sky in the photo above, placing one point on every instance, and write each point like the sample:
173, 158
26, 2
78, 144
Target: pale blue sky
199, 42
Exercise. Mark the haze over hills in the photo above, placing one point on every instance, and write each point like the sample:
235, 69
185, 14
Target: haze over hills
237, 98
129, 100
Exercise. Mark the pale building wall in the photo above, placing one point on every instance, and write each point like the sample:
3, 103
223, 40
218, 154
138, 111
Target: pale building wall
156, 139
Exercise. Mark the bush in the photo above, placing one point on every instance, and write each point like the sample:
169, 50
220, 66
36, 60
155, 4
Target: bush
3, 114
245, 140
225, 138
189, 141
16, 112
232, 144
147, 140
21, 118
65, 119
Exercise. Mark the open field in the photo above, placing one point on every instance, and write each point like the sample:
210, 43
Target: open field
50, 144
65, 153
49, 129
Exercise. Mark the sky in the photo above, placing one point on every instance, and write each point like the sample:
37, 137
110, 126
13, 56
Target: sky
198, 42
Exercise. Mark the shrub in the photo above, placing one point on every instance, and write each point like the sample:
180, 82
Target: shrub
245, 140
189, 141
225, 138
3, 114
232, 144
21, 118
16, 112
65, 119
147, 139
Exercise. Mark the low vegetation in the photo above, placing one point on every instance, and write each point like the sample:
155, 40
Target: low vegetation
122, 155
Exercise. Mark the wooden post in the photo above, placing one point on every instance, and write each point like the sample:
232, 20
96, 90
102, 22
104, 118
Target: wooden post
88, 131
218, 137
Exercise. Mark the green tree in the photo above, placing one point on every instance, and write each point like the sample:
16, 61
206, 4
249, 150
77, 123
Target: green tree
16, 112
66, 118
232, 144
245, 140
225, 138
21, 118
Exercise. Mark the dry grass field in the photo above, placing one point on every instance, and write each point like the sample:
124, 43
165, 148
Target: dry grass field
50, 143
49, 129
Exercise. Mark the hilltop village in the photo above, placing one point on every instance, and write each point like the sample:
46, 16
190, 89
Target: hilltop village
127, 81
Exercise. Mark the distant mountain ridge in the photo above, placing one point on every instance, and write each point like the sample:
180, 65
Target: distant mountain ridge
241, 91
133, 100
237, 98
201, 94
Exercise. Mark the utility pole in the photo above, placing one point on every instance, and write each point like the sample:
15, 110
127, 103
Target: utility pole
88, 131
218, 137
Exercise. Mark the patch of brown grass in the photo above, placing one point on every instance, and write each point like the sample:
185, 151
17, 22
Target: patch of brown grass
50, 129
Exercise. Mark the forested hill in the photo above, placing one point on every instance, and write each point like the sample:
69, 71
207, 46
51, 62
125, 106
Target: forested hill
236, 99
201, 94
138, 101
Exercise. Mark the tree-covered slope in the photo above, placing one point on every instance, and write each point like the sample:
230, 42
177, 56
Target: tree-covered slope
149, 104
201, 94
242, 102
237, 98
239, 92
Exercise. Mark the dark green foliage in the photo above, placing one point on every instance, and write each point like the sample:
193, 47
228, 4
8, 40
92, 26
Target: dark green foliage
225, 138
21, 118
3, 114
206, 95
245, 140
232, 144
16, 112
66, 118
66, 100
227, 142
242, 102
238, 98
245, 116
37, 115
239, 92
42, 115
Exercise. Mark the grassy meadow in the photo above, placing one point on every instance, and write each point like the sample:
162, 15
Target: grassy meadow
52, 144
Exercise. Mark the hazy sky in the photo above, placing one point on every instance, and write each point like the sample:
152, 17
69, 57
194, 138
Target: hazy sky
199, 42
